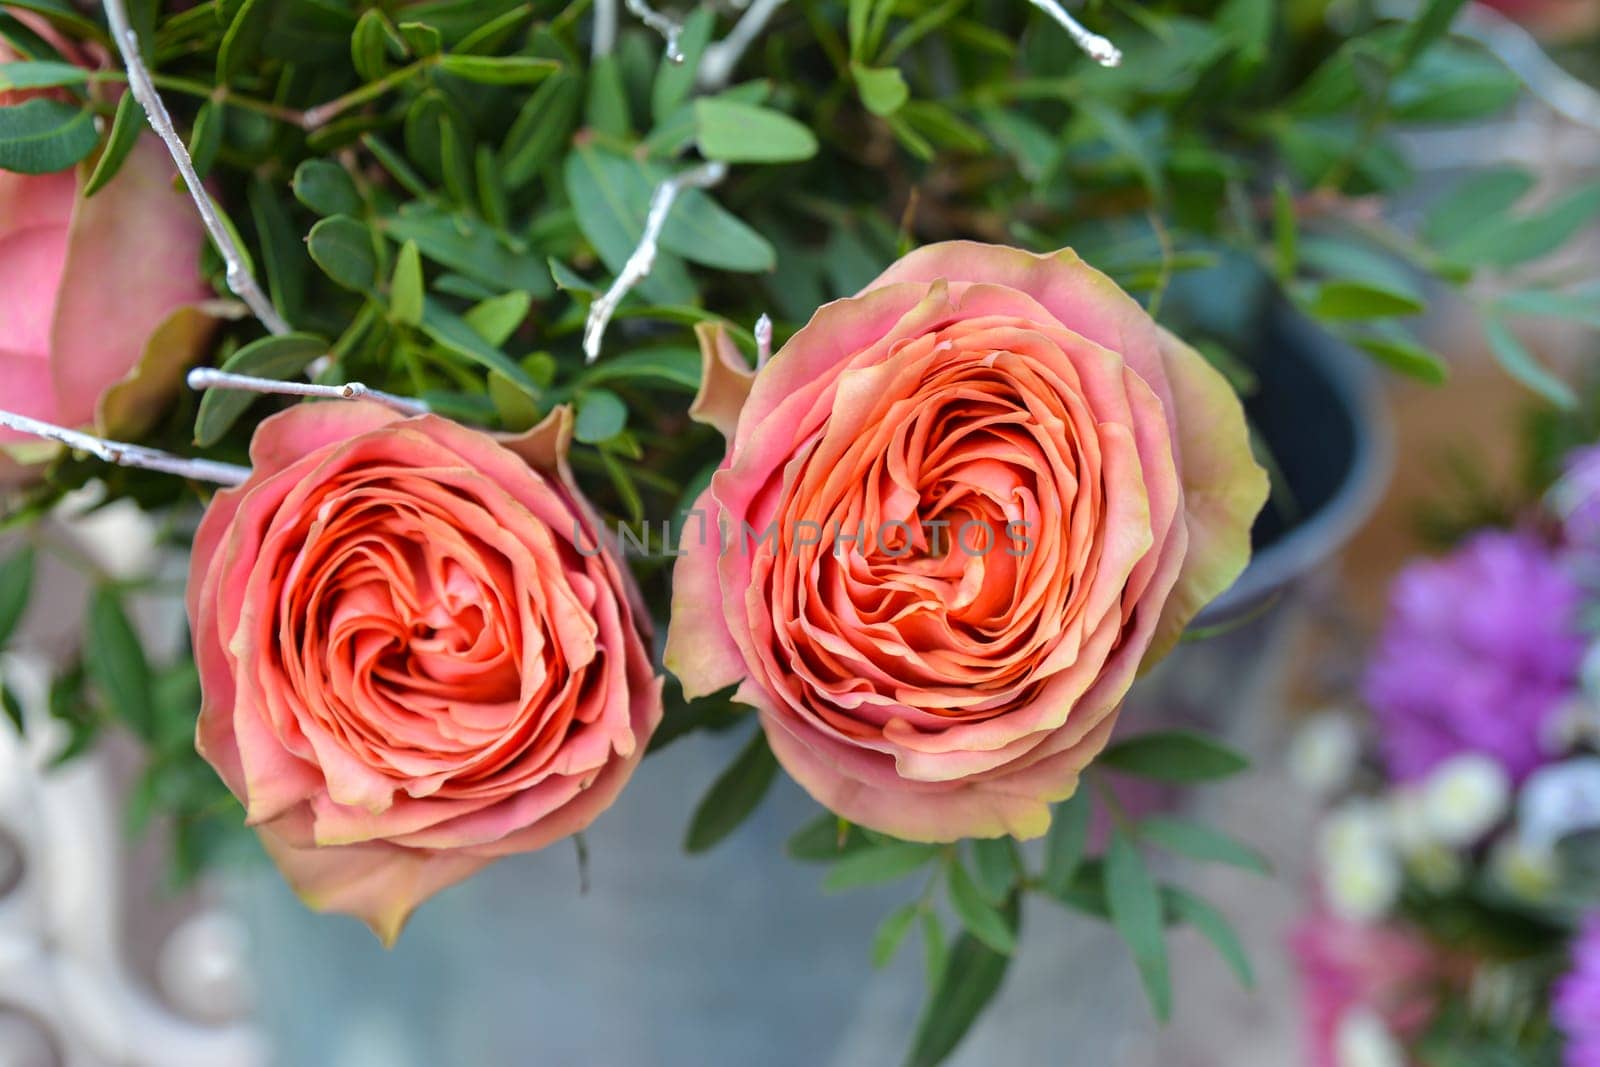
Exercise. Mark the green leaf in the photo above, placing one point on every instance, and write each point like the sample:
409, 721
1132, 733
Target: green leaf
499, 70
882, 89
448, 330
1284, 230
1185, 907
1404, 355
606, 107
1346, 299
1475, 201
205, 137
41, 136
737, 132
371, 43
405, 287
471, 248
326, 188
1582, 306
1174, 756
343, 247
1457, 81
283, 250
935, 953
516, 410
994, 865
16, 582
242, 41
675, 81
968, 981
125, 129
980, 917
733, 796
423, 40
1136, 912
824, 839
1128, 142
278, 358
40, 74
12, 707
1509, 241
671, 366
1518, 362
540, 129
117, 665
1201, 843
1427, 26
881, 863
601, 416
1066, 839
495, 320
891, 933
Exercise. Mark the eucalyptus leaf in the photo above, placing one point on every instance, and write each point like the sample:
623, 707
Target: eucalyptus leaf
326, 188
344, 248
16, 583
126, 126
117, 664
1173, 756
736, 132
981, 918
881, 863
41, 136
278, 358
1136, 912
733, 796
968, 981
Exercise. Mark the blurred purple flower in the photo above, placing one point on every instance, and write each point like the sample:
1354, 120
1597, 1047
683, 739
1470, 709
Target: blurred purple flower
1479, 649
1576, 499
1577, 999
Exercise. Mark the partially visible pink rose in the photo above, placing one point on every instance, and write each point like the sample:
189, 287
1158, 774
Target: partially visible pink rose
87, 284
414, 656
1094, 478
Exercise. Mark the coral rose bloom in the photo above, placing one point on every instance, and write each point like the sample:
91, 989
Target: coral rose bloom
412, 661
958, 511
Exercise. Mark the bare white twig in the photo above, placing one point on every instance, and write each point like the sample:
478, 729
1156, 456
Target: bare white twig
208, 378
721, 57
1520, 50
763, 340
126, 455
1095, 46
671, 29
644, 255
240, 280
603, 37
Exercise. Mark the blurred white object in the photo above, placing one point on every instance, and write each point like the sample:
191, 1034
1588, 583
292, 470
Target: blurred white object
1406, 812
1324, 753
1528, 869
204, 968
1361, 875
1558, 800
1465, 797
1362, 1040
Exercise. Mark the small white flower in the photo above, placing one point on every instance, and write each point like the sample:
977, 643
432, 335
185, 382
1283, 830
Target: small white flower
1362, 1040
1465, 797
1558, 800
1324, 752
1527, 868
1361, 876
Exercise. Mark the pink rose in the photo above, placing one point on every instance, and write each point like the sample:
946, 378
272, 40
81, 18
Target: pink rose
97, 323
415, 659
1095, 478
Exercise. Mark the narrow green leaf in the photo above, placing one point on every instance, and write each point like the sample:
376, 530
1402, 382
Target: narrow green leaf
675, 81
491, 190
1520, 363
499, 70
343, 247
1285, 229
423, 40
1201, 843
1510, 241
326, 188
40, 74
370, 42
969, 980
278, 358
116, 663
41, 136
737, 132
935, 953
1347, 299
981, 918
242, 41
994, 866
12, 707
1580, 306
1185, 907
516, 410
495, 320
882, 89
540, 129
1065, 841
469, 247
672, 366
873, 866
1136, 912
1478, 200
447, 329
1174, 756
126, 126
733, 796
205, 137
1404, 355
405, 287
1426, 26
16, 583
892, 932
824, 839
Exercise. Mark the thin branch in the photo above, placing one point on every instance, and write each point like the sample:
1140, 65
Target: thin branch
763, 340
604, 34
240, 280
637, 268
720, 58
126, 455
1520, 50
671, 29
1095, 46
208, 378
